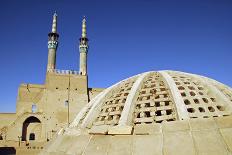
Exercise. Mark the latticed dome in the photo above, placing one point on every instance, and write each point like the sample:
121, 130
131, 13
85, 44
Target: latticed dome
164, 112
154, 97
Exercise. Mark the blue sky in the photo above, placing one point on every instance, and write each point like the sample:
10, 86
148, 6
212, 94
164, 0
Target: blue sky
127, 37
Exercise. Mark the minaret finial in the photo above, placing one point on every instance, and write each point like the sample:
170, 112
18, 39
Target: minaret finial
84, 35
54, 23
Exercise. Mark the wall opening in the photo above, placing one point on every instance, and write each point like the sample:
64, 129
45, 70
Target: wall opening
32, 136
66, 103
7, 150
33, 108
29, 121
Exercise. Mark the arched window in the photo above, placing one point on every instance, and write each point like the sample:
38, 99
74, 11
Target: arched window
32, 136
33, 108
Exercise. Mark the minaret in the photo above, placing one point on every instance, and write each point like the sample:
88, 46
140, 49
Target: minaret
52, 44
83, 48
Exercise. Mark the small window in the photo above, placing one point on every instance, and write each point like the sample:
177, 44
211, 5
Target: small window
201, 109
177, 83
201, 93
187, 102
221, 108
66, 103
147, 114
213, 99
192, 93
181, 88
157, 104
158, 113
126, 94
191, 110
205, 100
169, 111
183, 94
191, 87
1, 137
196, 101
147, 105
110, 117
166, 103
211, 109
121, 90
33, 108
32, 136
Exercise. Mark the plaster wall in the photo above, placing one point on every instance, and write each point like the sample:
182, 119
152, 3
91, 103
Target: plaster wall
198, 136
57, 103
29, 94
6, 119
35, 128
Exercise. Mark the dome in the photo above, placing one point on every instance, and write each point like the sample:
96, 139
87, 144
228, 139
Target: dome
156, 97
164, 111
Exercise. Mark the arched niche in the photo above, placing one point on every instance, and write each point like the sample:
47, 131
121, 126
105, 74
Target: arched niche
31, 128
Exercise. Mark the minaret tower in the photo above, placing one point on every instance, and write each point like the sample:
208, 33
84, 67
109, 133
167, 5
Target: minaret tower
52, 44
83, 48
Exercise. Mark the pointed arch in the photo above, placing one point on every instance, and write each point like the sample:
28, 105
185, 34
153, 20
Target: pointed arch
26, 123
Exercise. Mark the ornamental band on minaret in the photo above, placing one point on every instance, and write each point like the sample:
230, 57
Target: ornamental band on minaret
52, 44
83, 48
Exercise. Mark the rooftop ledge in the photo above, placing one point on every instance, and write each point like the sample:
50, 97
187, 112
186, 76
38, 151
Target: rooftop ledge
65, 72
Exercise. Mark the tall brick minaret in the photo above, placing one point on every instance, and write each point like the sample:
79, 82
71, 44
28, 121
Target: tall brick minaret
52, 44
83, 48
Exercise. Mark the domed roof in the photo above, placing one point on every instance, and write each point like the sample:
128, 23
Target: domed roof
164, 112
154, 97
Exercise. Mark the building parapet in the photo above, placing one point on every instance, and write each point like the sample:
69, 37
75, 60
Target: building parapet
32, 85
65, 72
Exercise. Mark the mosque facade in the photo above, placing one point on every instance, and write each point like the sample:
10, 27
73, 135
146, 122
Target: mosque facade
41, 110
156, 112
